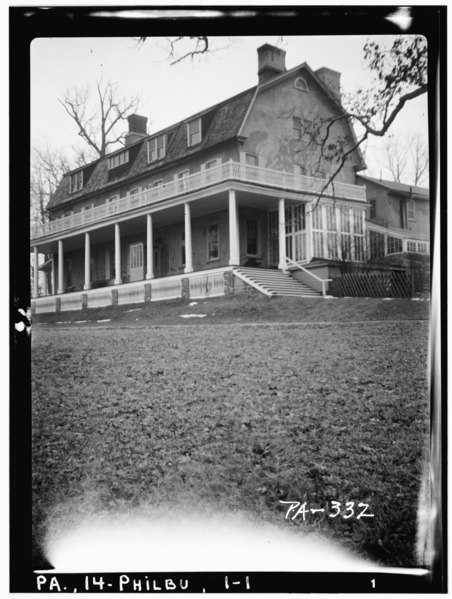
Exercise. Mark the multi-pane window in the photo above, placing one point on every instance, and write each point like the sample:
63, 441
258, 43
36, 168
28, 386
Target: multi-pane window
297, 125
118, 159
213, 248
394, 245
331, 234
410, 210
411, 246
181, 180
251, 237
76, 181
113, 204
377, 244
358, 234
422, 247
157, 148
373, 208
208, 166
317, 232
194, 132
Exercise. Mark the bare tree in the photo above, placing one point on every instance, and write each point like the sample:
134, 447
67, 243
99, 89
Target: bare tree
47, 168
399, 76
419, 159
406, 158
396, 154
99, 127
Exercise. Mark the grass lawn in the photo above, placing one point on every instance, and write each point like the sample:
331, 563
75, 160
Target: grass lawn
238, 417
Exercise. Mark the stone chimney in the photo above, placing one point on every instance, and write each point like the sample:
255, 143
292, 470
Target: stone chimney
271, 62
137, 128
332, 80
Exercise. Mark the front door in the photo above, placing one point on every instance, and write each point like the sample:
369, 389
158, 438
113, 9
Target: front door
136, 262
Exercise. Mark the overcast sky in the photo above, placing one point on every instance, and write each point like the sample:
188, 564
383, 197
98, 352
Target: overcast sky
170, 93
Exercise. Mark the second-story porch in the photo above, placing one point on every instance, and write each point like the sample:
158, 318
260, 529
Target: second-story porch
233, 214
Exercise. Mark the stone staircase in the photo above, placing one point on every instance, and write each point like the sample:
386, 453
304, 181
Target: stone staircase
274, 282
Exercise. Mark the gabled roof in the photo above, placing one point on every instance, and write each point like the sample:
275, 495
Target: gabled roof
220, 123
400, 188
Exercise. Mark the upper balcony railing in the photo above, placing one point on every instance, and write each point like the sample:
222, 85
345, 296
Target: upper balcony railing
224, 172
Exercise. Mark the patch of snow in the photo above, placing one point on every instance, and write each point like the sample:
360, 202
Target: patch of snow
193, 315
79, 321
133, 310
193, 304
388, 299
105, 320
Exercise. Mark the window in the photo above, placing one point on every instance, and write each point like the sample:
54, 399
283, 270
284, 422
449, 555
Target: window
214, 174
88, 207
410, 210
182, 185
157, 148
194, 132
118, 159
252, 237
76, 181
300, 169
301, 127
301, 84
377, 244
422, 247
394, 245
213, 248
182, 248
251, 159
297, 127
112, 204
411, 246
373, 208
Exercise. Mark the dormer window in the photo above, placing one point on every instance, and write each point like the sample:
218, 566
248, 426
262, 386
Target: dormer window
157, 148
118, 159
76, 182
194, 132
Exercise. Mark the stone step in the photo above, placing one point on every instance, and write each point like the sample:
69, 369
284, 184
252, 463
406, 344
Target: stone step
276, 282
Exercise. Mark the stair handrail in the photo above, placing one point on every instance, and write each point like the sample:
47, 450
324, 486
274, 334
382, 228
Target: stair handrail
311, 274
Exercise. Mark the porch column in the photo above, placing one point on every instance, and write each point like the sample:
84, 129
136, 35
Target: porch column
282, 234
60, 288
234, 244
188, 245
118, 279
150, 253
309, 231
87, 284
52, 278
35, 272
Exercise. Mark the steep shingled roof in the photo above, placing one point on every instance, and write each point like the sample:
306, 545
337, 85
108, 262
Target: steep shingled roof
220, 123
402, 188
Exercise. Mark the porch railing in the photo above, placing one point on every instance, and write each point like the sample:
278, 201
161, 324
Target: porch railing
224, 172
313, 280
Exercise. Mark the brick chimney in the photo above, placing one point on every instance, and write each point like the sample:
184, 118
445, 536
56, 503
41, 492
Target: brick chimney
137, 128
271, 62
332, 80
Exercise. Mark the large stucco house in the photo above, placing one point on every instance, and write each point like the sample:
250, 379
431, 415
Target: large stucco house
226, 198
